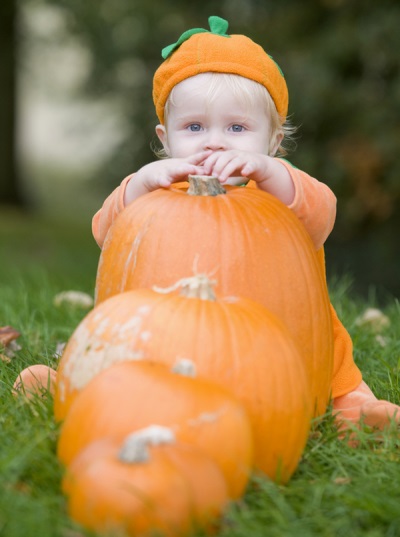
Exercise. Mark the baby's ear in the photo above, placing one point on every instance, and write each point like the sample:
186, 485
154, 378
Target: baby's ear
162, 136
275, 143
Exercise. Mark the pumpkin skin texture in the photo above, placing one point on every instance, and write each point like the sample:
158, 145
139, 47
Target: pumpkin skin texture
174, 490
249, 241
233, 342
131, 395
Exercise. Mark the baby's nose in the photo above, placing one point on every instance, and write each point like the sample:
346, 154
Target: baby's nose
215, 142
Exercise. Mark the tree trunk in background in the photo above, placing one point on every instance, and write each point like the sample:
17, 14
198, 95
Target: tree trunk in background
10, 193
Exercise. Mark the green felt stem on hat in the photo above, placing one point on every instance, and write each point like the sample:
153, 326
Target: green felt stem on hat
218, 26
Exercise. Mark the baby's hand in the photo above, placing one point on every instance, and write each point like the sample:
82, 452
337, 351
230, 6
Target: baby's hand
231, 163
269, 173
162, 173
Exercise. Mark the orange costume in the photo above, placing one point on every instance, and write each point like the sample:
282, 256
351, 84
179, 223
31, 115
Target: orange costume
198, 51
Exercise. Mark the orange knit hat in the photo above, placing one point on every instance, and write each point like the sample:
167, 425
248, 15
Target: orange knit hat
201, 51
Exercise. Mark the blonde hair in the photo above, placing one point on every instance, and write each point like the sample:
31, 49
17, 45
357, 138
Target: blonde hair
249, 94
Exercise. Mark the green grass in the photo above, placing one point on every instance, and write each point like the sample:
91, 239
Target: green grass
336, 490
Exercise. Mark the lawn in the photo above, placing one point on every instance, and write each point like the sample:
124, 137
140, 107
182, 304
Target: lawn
336, 491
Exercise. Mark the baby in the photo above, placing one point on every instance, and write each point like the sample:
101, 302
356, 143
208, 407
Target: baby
222, 104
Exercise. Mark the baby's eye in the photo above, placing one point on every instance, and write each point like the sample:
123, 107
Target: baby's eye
237, 128
194, 127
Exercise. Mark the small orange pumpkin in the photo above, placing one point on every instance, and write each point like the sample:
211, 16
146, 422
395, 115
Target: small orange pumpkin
131, 395
252, 244
150, 483
35, 380
234, 342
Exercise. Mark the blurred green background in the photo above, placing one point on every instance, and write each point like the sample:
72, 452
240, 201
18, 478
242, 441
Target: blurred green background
76, 113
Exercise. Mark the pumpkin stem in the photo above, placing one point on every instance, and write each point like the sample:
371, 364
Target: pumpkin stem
204, 185
136, 446
198, 286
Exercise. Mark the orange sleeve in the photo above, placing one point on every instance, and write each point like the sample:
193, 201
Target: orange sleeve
346, 375
314, 204
111, 208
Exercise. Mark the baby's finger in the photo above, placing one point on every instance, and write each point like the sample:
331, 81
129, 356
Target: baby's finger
164, 182
222, 162
216, 161
184, 169
198, 158
198, 170
248, 169
233, 167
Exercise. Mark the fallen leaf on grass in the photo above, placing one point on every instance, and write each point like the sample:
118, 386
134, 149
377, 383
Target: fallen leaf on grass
391, 456
8, 344
342, 480
11, 349
381, 340
59, 350
315, 434
8, 334
19, 486
374, 319
74, 298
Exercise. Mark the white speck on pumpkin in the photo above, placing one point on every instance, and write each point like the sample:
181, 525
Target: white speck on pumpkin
206, 417
145, 336
145, 309
88, 352
131, 259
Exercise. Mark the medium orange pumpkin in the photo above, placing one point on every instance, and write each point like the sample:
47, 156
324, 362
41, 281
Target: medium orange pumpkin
250, 242
234, 342
131, 395
147, 483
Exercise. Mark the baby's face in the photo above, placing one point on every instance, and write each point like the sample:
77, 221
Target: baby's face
196, 124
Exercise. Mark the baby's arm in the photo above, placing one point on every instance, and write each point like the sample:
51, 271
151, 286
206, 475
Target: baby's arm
110, 209
314, 204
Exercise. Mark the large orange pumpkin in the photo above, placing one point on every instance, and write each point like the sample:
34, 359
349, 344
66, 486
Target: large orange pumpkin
131, 395
234, 342
147, 483
250, 242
